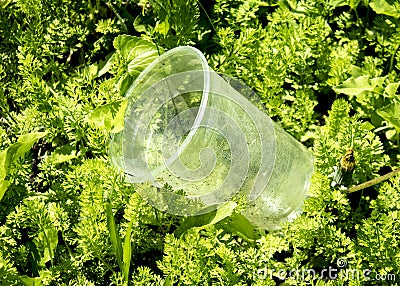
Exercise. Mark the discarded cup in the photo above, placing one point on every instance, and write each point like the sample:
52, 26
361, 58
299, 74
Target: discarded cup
202, 141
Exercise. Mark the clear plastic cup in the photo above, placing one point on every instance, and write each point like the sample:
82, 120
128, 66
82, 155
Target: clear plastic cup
200, 138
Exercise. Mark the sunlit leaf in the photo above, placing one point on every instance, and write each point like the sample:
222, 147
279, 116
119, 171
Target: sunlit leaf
391, 113
110, 116
391, 88
355, 86
207, 219
13, 153
383, 7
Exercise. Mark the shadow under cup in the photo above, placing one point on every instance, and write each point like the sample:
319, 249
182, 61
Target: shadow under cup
195, 136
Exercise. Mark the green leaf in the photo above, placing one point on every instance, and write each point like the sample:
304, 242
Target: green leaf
127, 251
35, 281
355, 86
240, 225
12, 154
110, 116
390, 134
366, 125
124, 83
106, 65
383, 7
3, 170
46, 242
131, 47
391, 88
391, 113
63, 154
139, 63
23, 145
162, 28
114, 235
206, 219
138, 25
3, 187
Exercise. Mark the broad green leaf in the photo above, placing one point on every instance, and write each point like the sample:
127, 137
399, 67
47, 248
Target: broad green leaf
240, 225
124, 83
206, 219
63, 154
4, 184
355, 86
390, 134
353, 3
141, 47
383, 7
13, 153
391, 113
124, 44
391, 88
23, 145
131, 47
366, 125
106, 65
337, 3
31, 281
35, 281
3, 158
138, 64
110, 116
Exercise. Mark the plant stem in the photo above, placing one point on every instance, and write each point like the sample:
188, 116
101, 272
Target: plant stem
373, 182
109, 4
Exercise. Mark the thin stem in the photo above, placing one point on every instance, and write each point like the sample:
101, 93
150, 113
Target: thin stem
109, 4
373, 182
392, 59
208, 17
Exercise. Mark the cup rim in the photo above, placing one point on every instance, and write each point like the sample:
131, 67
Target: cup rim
206, 70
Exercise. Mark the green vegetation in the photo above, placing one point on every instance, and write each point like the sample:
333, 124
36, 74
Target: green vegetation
328, 71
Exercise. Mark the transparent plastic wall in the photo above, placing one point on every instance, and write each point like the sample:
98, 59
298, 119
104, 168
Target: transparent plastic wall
207, 138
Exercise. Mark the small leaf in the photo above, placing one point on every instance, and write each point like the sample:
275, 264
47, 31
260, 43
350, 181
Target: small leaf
241, 226
355, 86
127, 250
390, 134
138, 64
35, 281
3, 170
13, 153
391, 88
114, 235
124, 83
391, 113
105, 66
131, 47
3, 187
206, 219
110, 116
383, 7
63, 154
367, 126
162, 28
138, 25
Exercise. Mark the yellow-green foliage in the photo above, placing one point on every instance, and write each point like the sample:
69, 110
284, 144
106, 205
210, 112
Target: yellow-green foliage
327, 71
